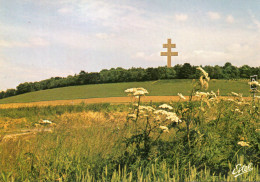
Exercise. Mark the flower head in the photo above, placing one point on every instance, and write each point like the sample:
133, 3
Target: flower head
243, 144
256, 83
203, 72
172, 117
166, 106
137, 91
201, 94
133, 116
164, 129
147, 108
44, 121
181, 96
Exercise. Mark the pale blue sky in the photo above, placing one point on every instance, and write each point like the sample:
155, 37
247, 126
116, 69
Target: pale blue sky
44, 38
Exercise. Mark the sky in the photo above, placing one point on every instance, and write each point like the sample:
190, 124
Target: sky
40, 39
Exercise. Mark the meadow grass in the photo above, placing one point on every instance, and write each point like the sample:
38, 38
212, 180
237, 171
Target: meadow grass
88, 144
156, 88
202, 140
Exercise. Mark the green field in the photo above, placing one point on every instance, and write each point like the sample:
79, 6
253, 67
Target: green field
155, 88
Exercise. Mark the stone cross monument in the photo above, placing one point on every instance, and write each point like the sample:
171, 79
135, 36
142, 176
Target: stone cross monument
169, 54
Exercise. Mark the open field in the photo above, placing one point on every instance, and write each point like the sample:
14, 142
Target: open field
156, 88
209, 138
93, 142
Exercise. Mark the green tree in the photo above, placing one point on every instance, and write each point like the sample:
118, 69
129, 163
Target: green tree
185, 71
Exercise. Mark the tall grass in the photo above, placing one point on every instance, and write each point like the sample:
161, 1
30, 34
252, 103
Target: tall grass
87, 144
197, 141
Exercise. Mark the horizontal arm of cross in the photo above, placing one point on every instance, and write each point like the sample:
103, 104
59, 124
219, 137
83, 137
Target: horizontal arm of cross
167, 45
167, 54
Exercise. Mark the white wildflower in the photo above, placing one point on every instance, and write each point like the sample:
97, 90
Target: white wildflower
243, 144
239, 103
235, 94
203, 72
213, 94
169, 115
256, 83
45, 122
137, 91
147, 108
131, 116
164, 128
166, 106
238, 111
130, 90
181, 96
160, 111
172, 117
142, 89
201, 94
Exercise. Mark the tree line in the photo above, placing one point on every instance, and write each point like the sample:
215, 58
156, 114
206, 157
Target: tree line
185, 71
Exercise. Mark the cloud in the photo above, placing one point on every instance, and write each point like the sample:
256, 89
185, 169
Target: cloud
14, 74
35, 41
104, 35
65, 10
181, 17
10, 44
149, 57
254, 20
213, 15
230, 19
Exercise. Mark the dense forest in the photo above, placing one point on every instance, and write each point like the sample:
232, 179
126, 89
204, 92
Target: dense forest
185, 71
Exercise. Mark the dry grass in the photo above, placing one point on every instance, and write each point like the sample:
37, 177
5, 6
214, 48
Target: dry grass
99, 100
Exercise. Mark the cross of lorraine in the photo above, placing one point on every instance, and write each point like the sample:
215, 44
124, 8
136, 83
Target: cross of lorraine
169, 54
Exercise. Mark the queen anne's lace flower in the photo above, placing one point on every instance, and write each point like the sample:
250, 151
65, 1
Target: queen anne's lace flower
147, 108
164, 129
238, 111
256, 83
171, 116
137, 91
131, 116
166, 106
243, 144
160, 111
201, 94
257, 97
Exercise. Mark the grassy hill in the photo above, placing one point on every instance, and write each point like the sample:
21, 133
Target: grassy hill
161, 87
